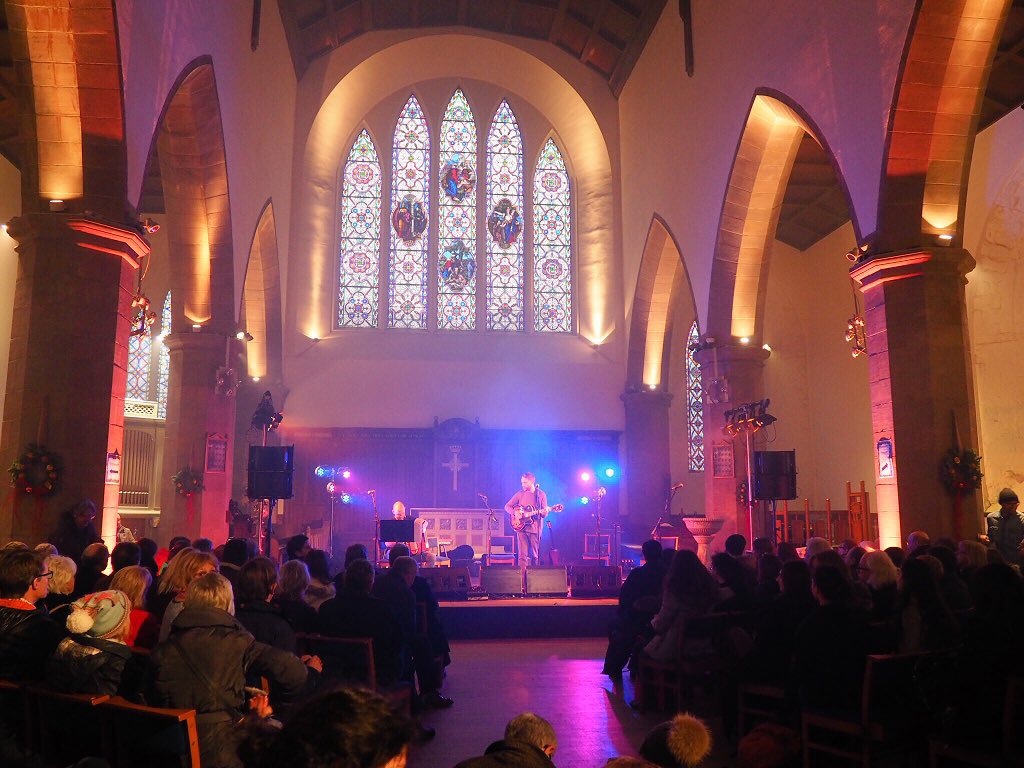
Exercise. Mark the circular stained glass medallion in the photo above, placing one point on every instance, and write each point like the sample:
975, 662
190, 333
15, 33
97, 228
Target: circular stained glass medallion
457, 266
505, 223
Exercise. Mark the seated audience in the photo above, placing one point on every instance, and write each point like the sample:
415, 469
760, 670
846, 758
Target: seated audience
289, 598
897, 555
27, 636
529, 742
916, 540
880, 575
356, 552
689, 591
639, 601
147, 556
297, 547
95, 658
76, 530
815, 546
776, 627
763, 546
424, 593
45, 550
768, 569
738, 583
321, 584
682, 742
787, 551
204, 663
144, 627
925, 621
125, 553
185, 567
202, 545
348, 728
953, 588
62, 582
91, 565
257, 583
970, 556
236, 554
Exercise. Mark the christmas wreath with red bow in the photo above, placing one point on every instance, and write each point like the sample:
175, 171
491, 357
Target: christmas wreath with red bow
36, 472
187, 482
961, 471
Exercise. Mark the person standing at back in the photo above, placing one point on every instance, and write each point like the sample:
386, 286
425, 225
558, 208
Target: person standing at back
1004, 528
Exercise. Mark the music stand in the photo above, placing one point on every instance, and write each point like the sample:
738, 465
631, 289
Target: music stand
398, 530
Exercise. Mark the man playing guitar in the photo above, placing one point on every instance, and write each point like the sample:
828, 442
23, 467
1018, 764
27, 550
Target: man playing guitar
526, 509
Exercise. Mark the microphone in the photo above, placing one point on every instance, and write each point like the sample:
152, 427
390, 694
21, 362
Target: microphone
677, 486
601, 492
372, 493
482, 496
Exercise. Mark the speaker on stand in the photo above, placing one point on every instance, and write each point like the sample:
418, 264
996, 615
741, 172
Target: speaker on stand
270, 479
774, 478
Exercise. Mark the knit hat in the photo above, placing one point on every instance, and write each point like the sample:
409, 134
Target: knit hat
682, 742
1007, 496
99, 615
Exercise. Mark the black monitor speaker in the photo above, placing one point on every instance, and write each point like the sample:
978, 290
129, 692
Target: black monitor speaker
774, 475
270, 471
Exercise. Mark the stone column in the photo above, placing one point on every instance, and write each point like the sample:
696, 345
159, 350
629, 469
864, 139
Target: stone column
647, 457
920, 382
732, 374
68, 362
196, 410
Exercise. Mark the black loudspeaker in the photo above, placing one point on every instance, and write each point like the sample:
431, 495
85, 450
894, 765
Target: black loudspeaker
596, 581
270, 471
448, 583
774, 475
553, 582
498, 580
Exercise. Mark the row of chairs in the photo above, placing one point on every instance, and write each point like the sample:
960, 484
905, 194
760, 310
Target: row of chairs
65, 727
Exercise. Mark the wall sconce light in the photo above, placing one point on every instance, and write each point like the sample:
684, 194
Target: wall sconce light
56, 206
243, 335
197, 327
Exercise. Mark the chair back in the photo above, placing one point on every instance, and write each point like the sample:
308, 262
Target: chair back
501, 550
150, 736
70, 725
345, 659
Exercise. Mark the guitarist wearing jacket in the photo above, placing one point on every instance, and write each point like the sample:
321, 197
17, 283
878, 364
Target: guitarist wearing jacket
526, 509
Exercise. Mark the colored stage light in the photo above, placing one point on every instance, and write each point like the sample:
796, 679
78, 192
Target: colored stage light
346, 473
584, 499
585, 476
331, 487
609, 472
346, 498
322, 471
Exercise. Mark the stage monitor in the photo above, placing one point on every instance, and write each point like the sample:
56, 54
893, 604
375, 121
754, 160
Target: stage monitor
398, 530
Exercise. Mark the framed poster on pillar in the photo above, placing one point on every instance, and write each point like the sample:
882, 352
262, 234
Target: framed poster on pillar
723, 459
216, 452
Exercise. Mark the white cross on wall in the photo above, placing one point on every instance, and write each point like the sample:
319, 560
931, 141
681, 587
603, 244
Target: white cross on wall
455, 465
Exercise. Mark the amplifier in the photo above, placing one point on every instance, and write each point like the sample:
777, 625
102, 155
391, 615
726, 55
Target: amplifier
596, 581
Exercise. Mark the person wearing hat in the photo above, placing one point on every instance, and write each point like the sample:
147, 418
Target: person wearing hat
1005, 528
94, 656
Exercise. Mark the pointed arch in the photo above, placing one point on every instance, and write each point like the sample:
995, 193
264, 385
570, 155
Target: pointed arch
359, 258
410, 214
260, 312
552, 242
505, 222
750, 214
456, 220
662, 282
934, 120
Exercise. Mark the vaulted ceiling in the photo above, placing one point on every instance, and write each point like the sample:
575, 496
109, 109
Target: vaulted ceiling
9, 126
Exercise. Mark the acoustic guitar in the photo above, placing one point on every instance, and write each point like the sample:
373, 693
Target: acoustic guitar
520, 517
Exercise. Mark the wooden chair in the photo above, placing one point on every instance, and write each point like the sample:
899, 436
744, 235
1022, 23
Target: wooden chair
506, 555
70, 725
891, 716
757, 703
157, 738
16, 713
1008, 754
349, 660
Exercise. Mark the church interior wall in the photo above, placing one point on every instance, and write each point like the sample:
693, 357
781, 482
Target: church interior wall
10, 206
994, 235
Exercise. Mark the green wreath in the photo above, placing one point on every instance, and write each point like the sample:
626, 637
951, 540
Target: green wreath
961, 471
36, 472
188, 482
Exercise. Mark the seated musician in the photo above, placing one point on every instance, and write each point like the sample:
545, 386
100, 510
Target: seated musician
416, 548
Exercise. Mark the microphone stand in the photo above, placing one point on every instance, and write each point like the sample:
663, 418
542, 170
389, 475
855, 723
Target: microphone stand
666, 512
491, 518
376, 530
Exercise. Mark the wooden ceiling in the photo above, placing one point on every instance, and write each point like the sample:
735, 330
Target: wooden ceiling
606, 35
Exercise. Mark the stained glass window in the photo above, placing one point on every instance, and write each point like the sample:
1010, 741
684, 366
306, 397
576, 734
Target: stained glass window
140, 355
456, 218
552, 273
163, 358
504, 222
410, 212
359, 265
694, 404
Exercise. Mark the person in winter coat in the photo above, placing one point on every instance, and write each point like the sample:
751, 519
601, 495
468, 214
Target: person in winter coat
76, 530
529, 742
27, 636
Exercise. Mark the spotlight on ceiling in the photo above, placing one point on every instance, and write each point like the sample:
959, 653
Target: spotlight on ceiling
243, 335
151, 227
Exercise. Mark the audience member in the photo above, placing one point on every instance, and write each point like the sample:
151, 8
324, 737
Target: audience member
787, 551
815, 546
356, 552
925, 621
27, 636
775, 630
738, 583
682, 742
125, 553
844, 547
763, 546
768, 568
236, 553
1004, 528
289, 599
62, 582
144, 626
184, 568
916, 540
529, 742
953, 588
91, 565
321, 584
76, 530
347, 728
95, 658
880, 575
297, 547
257, 583
970, 556
204, 663
45, 549
147, 556
639, 601
689, 592
202, 545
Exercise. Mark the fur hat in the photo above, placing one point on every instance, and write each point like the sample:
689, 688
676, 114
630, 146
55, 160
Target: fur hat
100, 615
1007, 496
682, 742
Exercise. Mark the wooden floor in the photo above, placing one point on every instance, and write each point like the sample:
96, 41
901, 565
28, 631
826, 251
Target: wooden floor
491, 681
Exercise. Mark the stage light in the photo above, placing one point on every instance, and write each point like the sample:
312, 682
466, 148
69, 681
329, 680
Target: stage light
331, 487
243, 335
323, 471
585, 476
346, 498
346, 473
609, 472
584, 499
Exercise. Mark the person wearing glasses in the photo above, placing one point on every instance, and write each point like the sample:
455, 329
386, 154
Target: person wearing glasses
1004, 528
27, 636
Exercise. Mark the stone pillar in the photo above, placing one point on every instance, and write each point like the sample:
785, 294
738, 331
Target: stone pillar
732, 375
68, 362
197, 409
914, 311
647, 457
